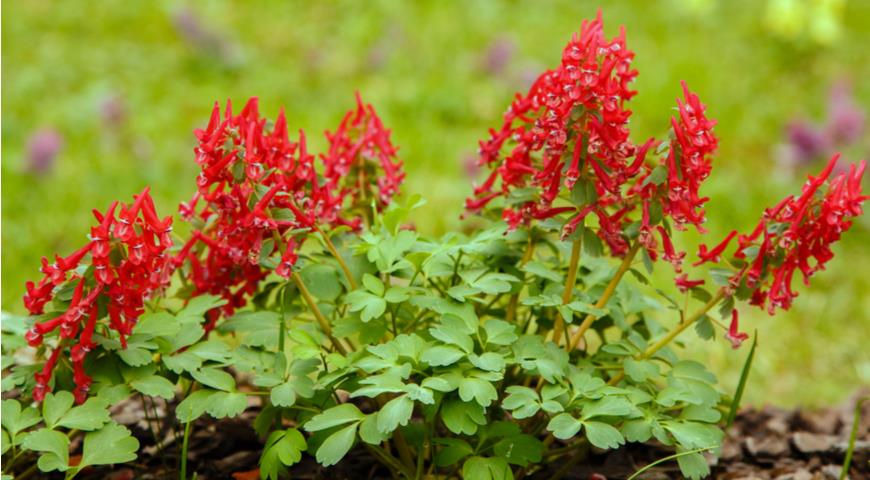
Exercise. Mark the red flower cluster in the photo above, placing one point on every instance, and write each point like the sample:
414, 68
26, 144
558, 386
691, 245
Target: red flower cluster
575, 111
261, 192
358, 149
795, 235
128, 263
688, 162
573, 125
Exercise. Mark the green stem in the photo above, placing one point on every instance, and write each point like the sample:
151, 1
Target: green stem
184, 443
844, 473
312, 304
338, 258
624, 267
568, 291
514, 300
664, 341
390, 461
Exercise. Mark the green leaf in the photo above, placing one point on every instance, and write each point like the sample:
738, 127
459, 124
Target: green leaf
394, 413
564, 426
110, 445
155, 386
489, 361
695, 435
182, 362
462, 418
442, 355
189, 334
368, 430
90, 415
397, 294
215, 378
53, 444
704, 328
640, 370
157, 324
499, 332
479, 390
693, 465
541, 270
522, 402
197, 307
486, 468
452, 331
520, 449
610, 405
337, 415
336, 446
194, 405
373, 284
370, 306
657, 177
227, 404
603, 435
139, 351
55, 405
214, 350
453, 451
284, 395
283, 449
638, 430
15, 420
322, 281
256, 329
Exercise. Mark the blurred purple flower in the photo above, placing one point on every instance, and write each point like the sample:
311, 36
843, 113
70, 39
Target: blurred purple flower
113, 111
807, 141
498, 55
208, 41
843, 130
846, 120
42, 149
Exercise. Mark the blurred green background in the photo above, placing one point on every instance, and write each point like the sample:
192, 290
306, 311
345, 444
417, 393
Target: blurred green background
99, 100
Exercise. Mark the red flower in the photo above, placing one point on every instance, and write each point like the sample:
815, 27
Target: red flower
688, 162
571, 124
123, 281
795, 235
361, 162
735, 336
684, 284
259, 194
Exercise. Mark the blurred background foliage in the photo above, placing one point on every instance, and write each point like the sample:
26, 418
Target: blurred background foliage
99, 100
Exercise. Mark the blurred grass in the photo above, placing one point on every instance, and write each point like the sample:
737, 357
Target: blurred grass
423, 65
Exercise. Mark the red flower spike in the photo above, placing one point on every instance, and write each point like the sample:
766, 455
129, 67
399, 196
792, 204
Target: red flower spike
361, 162
124, 284
806, 227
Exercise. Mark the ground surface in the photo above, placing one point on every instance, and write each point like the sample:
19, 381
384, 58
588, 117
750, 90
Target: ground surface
123, 86
769, 443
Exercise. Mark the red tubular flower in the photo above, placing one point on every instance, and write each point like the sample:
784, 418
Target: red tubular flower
257, 191
361, 162
735, 336
124, 281
571, 124
796, 236
684, 284
688, 161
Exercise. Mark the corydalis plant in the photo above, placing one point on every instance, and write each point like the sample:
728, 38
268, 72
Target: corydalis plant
492, 355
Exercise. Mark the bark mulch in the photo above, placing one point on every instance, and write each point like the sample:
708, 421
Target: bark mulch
767, 443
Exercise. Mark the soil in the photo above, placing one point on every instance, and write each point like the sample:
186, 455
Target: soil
767, 443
